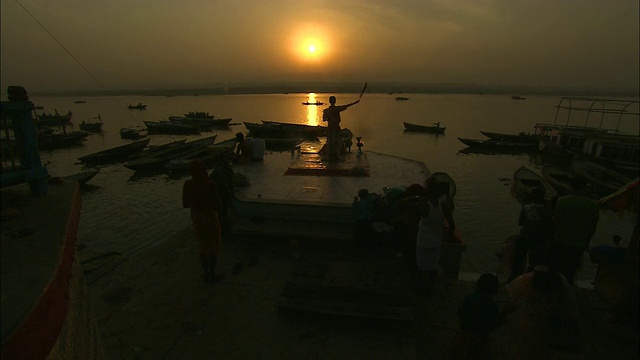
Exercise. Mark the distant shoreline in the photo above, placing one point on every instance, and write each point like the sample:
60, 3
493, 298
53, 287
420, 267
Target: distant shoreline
374, 88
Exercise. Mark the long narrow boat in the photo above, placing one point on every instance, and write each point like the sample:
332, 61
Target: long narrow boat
209, 155
514, 138
156, 160
114, 154
432, 129
312, 103
133, 134
525, 180
206, 122
558, 177
168, 127
57, 141
81, 177
53, 119
605, 180
499, 145
300, 129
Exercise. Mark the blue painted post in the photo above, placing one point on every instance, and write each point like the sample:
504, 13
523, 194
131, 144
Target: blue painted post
19, 109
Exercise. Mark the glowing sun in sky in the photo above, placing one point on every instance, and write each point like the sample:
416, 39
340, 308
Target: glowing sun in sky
310, 43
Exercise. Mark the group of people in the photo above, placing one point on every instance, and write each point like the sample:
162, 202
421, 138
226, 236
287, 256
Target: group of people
539, 318
557, 235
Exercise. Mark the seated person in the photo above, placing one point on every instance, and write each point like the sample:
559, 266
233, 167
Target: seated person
248, 149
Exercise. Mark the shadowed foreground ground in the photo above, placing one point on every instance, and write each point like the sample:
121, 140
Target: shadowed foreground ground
155, 306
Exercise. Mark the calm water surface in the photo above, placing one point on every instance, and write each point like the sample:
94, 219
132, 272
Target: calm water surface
120, 213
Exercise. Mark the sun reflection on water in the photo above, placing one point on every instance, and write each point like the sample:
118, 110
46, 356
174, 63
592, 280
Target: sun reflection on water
312, 111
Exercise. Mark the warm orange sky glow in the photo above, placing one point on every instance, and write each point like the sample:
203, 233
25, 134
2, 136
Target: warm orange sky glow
125, 45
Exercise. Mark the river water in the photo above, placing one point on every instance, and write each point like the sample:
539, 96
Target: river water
125, 214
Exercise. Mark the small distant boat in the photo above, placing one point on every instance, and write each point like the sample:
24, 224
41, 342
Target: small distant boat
312, 103
80, 102
94, 127
432, 129
127, 133
115, 154
401, 98
140, 106
525, 180
517, 97
558, 177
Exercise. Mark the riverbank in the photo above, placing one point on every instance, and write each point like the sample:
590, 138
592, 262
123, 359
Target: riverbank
154, 305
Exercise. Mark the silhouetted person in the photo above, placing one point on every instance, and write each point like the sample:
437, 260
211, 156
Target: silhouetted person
200, 194
478, 315
575, 219
608, 252
431, 231
332, 116
535, 233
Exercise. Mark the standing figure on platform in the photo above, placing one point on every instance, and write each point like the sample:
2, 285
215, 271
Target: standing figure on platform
575, 219
332, 116
431, 232
535, 234
200, 194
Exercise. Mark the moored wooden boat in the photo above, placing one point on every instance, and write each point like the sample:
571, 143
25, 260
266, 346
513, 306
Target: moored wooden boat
57, 141
525, 180
514, 138
498, 145
169, 127
210, 155
115, 154
605, 181
81, 177
432, 129
156, 160
300, 129
312, 103
53, 119
134, 134
94, 127
204, 122
558, 177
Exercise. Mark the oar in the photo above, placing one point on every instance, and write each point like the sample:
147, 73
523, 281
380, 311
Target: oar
363, 89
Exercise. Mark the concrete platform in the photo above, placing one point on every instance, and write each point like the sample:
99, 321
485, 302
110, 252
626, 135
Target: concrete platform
320, 191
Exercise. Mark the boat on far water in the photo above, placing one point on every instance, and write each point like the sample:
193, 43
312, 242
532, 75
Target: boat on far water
140, 106
432, 129
518, 97
312, 103
401, 98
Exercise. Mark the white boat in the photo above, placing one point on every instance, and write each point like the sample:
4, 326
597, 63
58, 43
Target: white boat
525, 180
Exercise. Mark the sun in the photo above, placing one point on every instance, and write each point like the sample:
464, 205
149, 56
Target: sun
309, 43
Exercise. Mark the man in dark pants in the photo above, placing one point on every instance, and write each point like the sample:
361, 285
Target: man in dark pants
575, 219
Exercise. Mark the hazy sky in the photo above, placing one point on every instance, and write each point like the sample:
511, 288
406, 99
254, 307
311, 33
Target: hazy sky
195, 43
